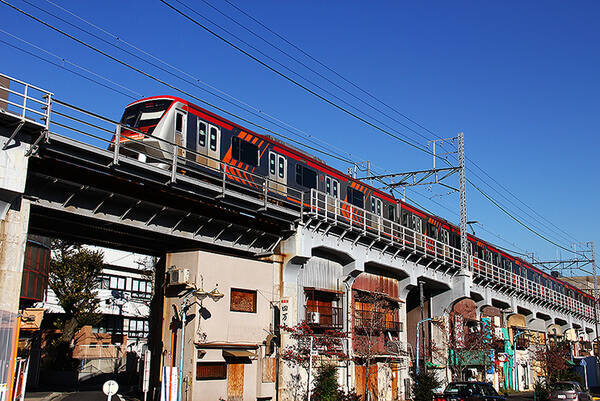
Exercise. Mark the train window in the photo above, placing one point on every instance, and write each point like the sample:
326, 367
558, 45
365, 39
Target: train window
376, 206
243, 151
213, 138
328, 185
306, 177
406, 220
272, 163
391, 212
417, 224
335, 188
444, 237
281, 167
201, 134
179, 122
356, 198
146, 114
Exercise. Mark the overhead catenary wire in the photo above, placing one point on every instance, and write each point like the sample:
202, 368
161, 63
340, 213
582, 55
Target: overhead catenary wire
544, 237
187, 93
61, 66
295, 82
389, 107
347, 104
300, 62
161, 81
87, 70
120, 39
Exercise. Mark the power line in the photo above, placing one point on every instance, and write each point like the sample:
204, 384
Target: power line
350, 113
279, 123
340, 108
65, 68
95, 49
326, 67
295, 72
373, 97
301, 63
74, 64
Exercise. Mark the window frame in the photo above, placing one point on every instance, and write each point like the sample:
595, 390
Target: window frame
222, 365
246, 291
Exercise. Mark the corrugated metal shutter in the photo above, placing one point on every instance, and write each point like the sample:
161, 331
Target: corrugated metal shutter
322, 274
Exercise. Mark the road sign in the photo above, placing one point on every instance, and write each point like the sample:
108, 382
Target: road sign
110, 388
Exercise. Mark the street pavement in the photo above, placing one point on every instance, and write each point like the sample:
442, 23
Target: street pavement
528, 396
74, 396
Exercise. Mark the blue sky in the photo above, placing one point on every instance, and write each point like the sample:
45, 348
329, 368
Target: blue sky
519, 78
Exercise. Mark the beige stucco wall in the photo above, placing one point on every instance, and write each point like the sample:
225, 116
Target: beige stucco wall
219, 327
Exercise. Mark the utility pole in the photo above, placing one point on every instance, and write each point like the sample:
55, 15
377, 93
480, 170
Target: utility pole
422, 333
463, 203
593, 251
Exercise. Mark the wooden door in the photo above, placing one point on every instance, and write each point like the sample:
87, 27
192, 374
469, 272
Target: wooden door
361, 378
235, 382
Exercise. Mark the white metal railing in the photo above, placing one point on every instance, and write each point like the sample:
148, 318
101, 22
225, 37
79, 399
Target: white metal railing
29, 102
332, 210
336, 211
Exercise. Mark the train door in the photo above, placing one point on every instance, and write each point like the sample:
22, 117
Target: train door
202, 143
418, 227
180, 136
445, 240
214, 146
277, 173
377, 211
332, 188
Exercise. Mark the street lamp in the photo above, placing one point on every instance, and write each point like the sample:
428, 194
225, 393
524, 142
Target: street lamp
200, 295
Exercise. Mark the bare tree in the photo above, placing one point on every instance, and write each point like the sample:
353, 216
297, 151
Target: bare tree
374, 315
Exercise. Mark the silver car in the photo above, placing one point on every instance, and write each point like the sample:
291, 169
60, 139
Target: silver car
569, 391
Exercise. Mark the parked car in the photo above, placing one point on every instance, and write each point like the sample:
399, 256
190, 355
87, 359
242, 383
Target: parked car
571, 391
470, 391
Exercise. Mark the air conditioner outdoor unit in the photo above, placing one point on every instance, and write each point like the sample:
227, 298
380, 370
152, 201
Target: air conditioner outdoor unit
179, 276
314, 317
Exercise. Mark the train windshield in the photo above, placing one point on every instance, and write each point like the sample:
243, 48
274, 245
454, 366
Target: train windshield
145, 115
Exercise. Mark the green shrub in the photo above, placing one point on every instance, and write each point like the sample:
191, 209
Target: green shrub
424, 385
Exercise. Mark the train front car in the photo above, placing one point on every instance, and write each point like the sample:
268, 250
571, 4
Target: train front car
149, 128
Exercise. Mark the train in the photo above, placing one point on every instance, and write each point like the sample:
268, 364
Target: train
153, 129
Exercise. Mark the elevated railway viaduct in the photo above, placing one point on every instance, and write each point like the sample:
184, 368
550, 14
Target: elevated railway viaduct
61, 178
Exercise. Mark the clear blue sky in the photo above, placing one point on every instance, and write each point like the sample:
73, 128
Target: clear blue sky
519, 78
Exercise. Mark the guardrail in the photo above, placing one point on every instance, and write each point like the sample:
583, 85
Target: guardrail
332, 210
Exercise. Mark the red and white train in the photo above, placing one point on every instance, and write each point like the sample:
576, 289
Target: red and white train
212, 142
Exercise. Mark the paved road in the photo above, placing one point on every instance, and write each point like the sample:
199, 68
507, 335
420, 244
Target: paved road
521, 397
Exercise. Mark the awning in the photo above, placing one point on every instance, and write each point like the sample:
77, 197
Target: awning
232, 353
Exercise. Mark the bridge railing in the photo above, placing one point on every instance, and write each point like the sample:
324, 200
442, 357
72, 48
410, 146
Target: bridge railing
25, 101
334, 211
93, 129
494, 274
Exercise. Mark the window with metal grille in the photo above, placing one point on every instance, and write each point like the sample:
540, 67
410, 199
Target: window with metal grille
243, 300
211, 370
